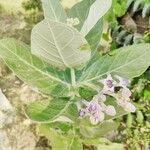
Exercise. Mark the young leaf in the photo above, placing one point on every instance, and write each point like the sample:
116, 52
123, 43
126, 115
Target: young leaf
94, 36
32, 70
87, 93
97, 10
53, 10
80, 11
49, 110
59, 45
130, 62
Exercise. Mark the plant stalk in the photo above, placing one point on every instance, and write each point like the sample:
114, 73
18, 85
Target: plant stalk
73, 78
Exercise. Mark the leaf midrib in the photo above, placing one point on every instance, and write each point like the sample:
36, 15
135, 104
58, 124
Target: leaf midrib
55, 117
97, 77
53, 10
62, 111
57, 46
32, 66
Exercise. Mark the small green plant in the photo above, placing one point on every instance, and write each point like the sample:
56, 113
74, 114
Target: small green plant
33, 11
85, 91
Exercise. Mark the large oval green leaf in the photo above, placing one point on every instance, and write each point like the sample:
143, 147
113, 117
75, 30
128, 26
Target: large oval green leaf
99, 130
81, 11
97, 10
59, 141
59, 45
53, 10
32, 70
49, 110
129, 62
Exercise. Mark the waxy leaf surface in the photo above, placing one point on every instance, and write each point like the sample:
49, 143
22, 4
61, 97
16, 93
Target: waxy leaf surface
128, 62
32, 70
49, 110
59, 45
97, 10
53, 10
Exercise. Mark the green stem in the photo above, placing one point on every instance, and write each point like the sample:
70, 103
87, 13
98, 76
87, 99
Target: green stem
73, 78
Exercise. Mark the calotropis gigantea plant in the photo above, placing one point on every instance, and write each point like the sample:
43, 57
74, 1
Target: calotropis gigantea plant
63, 63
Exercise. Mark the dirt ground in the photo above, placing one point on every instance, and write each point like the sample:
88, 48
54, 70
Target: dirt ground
16, 131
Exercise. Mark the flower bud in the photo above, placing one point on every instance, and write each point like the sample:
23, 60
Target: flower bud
129, 107
97, 117
126, 93
110, 110
100, 97
122, 81
82, 113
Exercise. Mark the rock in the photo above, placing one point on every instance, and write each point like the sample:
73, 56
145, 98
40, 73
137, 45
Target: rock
4, 103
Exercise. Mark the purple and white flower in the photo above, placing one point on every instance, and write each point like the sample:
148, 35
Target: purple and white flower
96, 111
82, 113
109, 84
122, 81
110, 110
97, 117
93, 107
101, 97
129, 107
96, 108
123, 100
126, 93
72, 22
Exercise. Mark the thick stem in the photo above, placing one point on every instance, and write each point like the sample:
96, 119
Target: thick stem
73, 77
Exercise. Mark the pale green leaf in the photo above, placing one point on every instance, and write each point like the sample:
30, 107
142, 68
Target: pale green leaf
97, 10
74, 143
99, 130
80, 11
53, 10
56, 139
59, 141
59, 45
94, 36
32, 70
96, 142
113, 146
49, 110
129, 62
119, 110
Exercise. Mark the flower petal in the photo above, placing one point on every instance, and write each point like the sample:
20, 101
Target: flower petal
129, 107
110, 110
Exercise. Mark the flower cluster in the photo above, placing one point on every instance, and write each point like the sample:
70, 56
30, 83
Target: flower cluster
72, 22
96, 108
